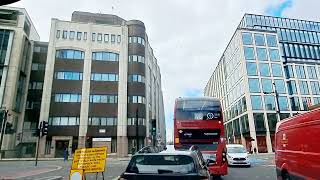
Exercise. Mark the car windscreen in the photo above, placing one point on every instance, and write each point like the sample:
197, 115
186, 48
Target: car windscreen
156, 164
198, 110
236, 150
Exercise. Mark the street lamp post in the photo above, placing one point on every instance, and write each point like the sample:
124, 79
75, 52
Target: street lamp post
275, 92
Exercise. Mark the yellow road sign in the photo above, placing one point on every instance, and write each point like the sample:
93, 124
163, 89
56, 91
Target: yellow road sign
90, 159
76, 175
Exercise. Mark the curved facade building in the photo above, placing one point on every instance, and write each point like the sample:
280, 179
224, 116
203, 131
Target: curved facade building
101, 75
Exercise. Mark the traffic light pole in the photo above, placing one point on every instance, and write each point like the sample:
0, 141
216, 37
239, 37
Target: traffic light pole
38, 142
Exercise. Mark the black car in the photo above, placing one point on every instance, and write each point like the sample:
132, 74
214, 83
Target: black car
167, 165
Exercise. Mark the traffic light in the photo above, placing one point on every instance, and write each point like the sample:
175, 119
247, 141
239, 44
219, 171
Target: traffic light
153, 127
44, 128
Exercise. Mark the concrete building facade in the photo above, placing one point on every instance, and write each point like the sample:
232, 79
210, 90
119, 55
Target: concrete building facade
266, 55
100, 75
17, 36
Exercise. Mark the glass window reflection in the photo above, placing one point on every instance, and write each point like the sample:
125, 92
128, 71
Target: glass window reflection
249, 53
295, 104
272, 40
247, 38
276, 70
259, 39
283, 103
256, 102
264, 69
280, 86
274, 55
267, 85
252, 69
303, 85
300, 72
262, 54
269, 102
254, 85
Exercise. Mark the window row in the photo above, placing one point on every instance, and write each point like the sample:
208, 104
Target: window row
257, 104
136, 39
264, 69
104, 77
136, 78
38, 67
236, 109
267, 85
306, 101
102, 121
64, 121
40, 49
36, 85
97, 98
249, 54
105, 38
298, 36
137, 99
67, 98
304, 87
300, 51
253, 20
133, 121
259, 39
105, 56
70, 54
136, 58
300, 71
68, 75
33, 105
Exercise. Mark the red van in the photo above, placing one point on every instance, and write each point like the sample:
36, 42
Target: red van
297, 152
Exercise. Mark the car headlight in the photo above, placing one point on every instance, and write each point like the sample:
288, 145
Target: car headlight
229, 156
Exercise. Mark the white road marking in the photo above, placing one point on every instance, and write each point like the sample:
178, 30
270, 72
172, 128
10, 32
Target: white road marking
49, 178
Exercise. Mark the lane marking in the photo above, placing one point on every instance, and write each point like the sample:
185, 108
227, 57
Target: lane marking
49, 178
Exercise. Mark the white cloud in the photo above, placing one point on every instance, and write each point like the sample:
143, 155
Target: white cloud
188, 37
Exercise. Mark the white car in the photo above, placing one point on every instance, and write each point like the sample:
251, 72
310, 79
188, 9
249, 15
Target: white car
237, 155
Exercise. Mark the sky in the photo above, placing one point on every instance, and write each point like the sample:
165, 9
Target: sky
188, 37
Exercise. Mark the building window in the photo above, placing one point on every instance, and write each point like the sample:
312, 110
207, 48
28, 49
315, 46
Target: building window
105, 56
267, 85
280, 86
79, 35
68, 75
113, 38
315, 89
262, 54
316, 100
249, 53
84, 35
300, 72
264, 69
256, 102
38, 67
259, 121
259, 39
133, 121
65, 34
106, 37
136, 58
104, 77
303, 87
136, 99
289, 71
69, 54
312, 73
36, 85
274, 55
67, 98
136, 78
269, 102
272, 121
252, 69
292, 88
136, 39
118, 39
64, 121
295, 104
276, 70
72, 34
247, 38
102, 121
99, 38
93, 36
305, 102
58, 34
254, 86
283, 103
97, 98
272, 40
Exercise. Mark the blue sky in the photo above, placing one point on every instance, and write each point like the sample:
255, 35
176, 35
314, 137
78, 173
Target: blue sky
279, 9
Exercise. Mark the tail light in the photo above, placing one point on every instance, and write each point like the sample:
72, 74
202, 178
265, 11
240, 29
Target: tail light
224, 156
177, 140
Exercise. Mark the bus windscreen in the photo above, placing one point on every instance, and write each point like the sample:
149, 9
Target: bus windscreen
198, 110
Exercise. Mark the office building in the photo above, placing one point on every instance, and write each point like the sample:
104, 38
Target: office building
101, 78
17, 36
268, 60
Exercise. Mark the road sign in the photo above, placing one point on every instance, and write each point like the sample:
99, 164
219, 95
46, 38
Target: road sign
90, 160
76, 175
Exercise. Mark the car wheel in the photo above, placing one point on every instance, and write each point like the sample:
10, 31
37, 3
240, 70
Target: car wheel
285, 176
215, 177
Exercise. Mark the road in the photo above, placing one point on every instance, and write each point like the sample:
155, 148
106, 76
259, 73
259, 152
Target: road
262, 168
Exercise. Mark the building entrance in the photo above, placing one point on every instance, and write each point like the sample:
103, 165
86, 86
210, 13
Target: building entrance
61, 145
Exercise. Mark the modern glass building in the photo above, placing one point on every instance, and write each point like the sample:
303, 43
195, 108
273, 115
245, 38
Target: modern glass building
266, 55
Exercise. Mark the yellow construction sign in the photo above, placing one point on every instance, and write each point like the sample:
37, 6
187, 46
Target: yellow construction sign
90, 159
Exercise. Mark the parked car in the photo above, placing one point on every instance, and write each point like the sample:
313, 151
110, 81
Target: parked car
237, 155
297, 147
167, 165
149, 149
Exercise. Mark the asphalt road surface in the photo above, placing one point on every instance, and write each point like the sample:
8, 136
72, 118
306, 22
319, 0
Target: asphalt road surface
262, 168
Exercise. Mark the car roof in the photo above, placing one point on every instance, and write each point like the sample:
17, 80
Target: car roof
175, 152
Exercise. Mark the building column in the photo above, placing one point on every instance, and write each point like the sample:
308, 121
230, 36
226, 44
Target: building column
268, 138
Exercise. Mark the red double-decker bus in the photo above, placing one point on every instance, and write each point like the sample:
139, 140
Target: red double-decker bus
199, 121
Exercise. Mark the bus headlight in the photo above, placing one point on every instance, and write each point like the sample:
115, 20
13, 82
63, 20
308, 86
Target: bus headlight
177, 140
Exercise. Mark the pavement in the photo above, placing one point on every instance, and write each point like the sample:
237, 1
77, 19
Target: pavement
263, 168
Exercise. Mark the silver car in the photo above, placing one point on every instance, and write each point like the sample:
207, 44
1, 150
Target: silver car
237, 155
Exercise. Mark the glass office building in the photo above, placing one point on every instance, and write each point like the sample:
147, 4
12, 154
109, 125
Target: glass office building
266, 55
